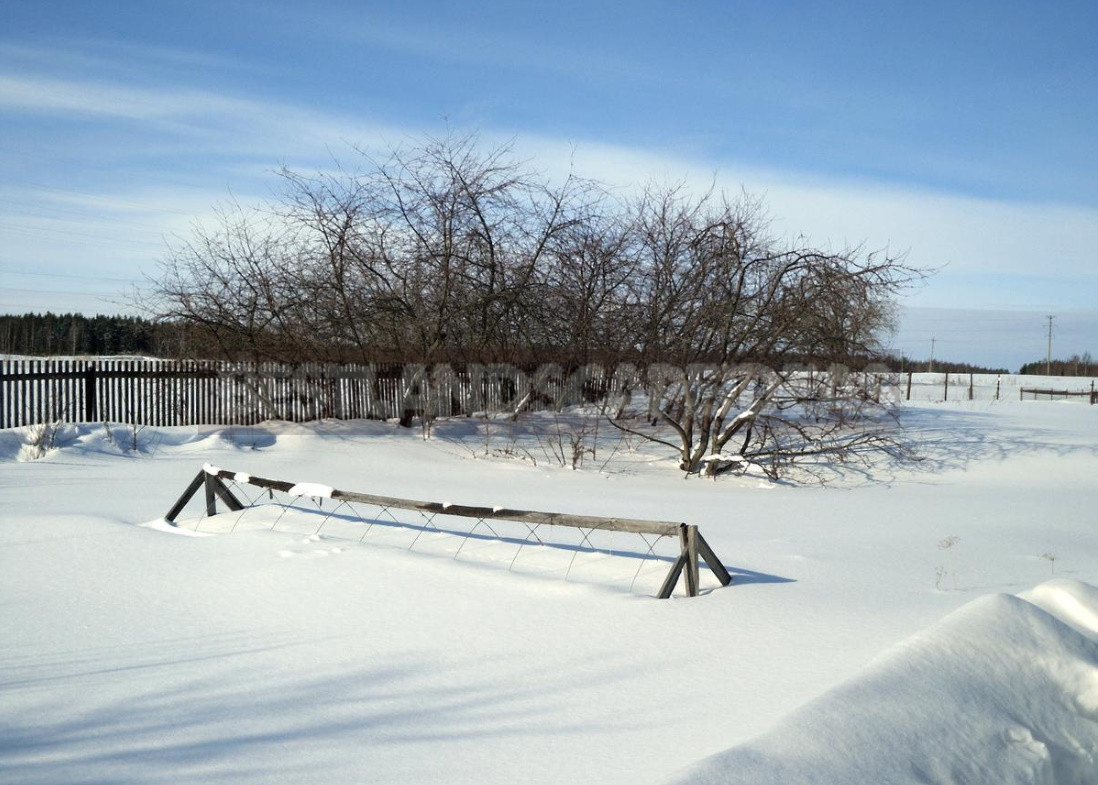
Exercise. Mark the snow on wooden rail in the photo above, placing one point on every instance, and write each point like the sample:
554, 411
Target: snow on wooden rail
692, 545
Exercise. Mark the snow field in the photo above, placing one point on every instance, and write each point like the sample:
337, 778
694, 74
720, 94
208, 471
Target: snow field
131, 654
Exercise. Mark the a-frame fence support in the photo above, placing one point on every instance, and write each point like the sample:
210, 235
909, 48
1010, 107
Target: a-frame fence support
692, 545
215, 488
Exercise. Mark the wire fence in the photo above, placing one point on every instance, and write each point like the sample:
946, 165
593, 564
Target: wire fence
1051, 394
625, 554
992, 387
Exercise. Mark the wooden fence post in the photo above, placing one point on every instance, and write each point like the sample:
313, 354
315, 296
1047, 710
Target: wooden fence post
690, 548
946, 386
91, 401
970, 387
909, 374
6, 395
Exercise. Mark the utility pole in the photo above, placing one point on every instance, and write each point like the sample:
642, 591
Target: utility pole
930, 368
1048, 357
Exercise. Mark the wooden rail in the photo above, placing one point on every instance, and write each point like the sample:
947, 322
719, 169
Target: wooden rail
1091, 394
691, 543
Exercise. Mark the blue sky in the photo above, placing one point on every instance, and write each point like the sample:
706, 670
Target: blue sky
965, 134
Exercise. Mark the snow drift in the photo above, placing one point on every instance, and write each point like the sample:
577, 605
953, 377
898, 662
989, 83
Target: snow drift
1003, 690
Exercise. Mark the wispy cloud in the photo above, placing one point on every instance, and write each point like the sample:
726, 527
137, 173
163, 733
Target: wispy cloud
221, 123
230, 139
45, 94
63, 53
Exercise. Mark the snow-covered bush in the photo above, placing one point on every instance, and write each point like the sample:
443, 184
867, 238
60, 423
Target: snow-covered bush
38, 440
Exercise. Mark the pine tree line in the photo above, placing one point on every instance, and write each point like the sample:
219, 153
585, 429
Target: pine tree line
75, 334
1076, 365
906, 364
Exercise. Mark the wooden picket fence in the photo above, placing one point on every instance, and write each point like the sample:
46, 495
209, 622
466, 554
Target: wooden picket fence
185, 392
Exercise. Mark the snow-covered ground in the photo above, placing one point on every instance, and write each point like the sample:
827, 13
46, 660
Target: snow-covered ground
1004, 690
132, 654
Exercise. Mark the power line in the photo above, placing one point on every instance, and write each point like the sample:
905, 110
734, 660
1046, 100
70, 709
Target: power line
65, 235
66, 292
121, 202
10, 271
74, 215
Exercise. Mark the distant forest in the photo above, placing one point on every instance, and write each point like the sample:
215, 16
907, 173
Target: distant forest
1076, 365
905, 364
75, 334
52, 334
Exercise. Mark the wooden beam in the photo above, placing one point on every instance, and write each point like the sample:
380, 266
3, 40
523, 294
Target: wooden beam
711, 559
211, 500
672, 578
181, 502
226, 495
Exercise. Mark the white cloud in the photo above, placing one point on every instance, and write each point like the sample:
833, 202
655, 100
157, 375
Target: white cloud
987, 246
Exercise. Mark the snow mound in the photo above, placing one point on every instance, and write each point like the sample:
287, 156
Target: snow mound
1004, 689
1073, 602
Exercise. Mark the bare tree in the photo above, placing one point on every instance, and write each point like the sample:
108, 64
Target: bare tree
446, 252
435, 250
727, 316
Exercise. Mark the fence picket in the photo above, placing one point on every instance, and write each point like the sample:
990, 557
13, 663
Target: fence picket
5, 399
